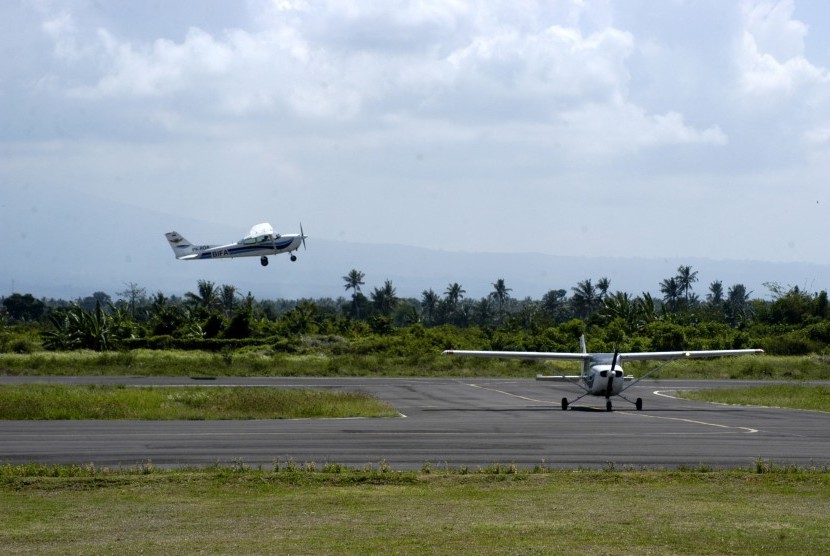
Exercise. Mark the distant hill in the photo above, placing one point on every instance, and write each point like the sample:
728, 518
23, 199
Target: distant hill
66, 246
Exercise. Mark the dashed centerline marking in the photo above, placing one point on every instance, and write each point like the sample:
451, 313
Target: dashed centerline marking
747, 430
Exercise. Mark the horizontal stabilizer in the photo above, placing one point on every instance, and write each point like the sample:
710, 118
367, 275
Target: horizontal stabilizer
558, 378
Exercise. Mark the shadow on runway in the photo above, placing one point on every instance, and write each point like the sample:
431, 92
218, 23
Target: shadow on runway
581, 409
488, 410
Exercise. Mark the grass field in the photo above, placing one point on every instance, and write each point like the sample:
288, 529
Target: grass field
51, 510
794, 396
142, 362
53, 401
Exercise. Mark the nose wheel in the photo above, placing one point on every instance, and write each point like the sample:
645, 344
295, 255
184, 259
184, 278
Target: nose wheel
293, 258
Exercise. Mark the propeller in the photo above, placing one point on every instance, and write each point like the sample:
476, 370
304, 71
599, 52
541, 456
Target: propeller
302, 236
611, 374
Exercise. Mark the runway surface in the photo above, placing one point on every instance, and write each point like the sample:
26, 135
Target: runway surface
444, 422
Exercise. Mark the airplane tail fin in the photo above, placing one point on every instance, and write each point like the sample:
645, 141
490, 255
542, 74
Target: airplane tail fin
181, 247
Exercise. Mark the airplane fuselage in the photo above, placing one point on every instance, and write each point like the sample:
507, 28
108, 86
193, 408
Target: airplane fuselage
597, 378
283, 244
261, 242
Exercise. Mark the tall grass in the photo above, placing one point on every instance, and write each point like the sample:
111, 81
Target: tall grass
382, 362
50, 402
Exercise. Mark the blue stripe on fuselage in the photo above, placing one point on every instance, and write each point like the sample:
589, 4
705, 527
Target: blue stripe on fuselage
244, 250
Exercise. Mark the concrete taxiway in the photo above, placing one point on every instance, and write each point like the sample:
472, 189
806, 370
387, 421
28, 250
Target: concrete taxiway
444, 422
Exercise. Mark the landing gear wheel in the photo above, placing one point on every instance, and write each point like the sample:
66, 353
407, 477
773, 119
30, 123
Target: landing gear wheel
564, 404
263, 261
608, 405
293, 258
639, 404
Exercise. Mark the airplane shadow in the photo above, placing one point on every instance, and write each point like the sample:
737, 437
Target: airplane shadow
579, 409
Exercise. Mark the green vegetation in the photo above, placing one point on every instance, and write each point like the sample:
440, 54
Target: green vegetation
397, 355
52, 401
216, 318
329, 509
794, 396
214, 331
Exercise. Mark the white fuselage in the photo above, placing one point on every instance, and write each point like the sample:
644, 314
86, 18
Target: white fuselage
251, 247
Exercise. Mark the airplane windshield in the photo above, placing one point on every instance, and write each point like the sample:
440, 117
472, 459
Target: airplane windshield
254, 240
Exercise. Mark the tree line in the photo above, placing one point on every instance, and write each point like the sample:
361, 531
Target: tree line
793, 321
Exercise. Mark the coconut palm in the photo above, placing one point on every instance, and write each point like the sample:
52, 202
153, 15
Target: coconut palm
354, 279
602, 288
715, 295
429, 303
207, 299
584, 299
455, 293
500, 294
670, 288
737, 304
384, 299
685, 278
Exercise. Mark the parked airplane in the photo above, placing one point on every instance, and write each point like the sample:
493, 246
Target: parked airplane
602, 373
260, 242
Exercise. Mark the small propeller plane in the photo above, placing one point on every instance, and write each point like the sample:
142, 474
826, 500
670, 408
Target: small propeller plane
602, 373
261, 241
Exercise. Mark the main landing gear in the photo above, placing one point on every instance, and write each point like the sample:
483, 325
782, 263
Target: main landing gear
608, 407
263, 260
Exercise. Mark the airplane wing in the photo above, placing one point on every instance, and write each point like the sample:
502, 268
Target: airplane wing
669, 355
522, 355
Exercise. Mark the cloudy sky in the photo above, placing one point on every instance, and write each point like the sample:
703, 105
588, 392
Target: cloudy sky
637, 128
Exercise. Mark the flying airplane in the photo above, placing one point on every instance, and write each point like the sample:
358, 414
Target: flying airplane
602, 373
260, 242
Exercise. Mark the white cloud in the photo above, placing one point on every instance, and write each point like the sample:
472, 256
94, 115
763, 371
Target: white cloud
355, 108
772, 50
464, 63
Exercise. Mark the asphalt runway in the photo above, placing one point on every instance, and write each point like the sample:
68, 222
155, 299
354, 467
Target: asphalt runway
444, 422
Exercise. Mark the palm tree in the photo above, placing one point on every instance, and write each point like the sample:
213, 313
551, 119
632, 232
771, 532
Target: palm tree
647, 307
584, 299
554, 304
354, 279
500, 293
228, 297
208, 297
602, 288
715, 295
670, 288
685, 278
738, 308
384, 299
454, 294
454, 309
429, 302
621, 306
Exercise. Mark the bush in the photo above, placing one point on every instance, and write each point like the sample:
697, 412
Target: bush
793, 343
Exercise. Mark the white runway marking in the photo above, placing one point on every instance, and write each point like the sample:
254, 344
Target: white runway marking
746, 430
512, 395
